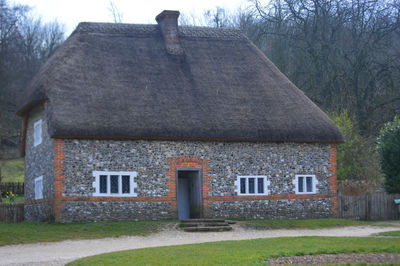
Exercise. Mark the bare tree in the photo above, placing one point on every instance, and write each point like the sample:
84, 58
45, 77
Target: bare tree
343, 54
116, 14
191, 19
25, 44
219, 18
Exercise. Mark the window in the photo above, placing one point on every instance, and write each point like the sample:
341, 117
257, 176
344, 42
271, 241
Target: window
114, 184
252, 185
37, 132
39, 187
305, 184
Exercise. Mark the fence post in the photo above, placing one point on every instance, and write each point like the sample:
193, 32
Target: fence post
340, 205
1, 198
368, 205
16, 188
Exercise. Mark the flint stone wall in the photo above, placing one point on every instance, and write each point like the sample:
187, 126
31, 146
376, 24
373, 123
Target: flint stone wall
80, 211
280, 162
39, 161
272, 209
39, 212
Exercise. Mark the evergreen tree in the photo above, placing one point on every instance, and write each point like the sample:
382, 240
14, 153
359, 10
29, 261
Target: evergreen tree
389, 154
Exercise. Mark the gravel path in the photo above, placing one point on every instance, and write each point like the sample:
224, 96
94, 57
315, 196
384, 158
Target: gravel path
59, 253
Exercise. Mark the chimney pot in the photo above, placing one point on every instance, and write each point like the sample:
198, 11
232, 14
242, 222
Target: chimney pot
168, 21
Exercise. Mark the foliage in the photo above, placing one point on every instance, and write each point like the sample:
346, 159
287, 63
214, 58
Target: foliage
356, 159
10, 197
388, 148
244, 252
301, 224
16, 200
351, 187
21, 233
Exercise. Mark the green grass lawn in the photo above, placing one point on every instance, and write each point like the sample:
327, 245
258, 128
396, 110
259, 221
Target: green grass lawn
244, 252
391, 233
21, 233
301, 224
12, 170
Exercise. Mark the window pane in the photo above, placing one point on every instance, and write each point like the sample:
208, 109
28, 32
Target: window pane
125, 184
38, 189
37, 133
252, 185
300, 183
243, 185
114, 183
309, 184
40, 186
103, 184
260, 188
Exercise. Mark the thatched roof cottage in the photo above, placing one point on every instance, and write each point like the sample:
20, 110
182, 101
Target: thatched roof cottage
131, 121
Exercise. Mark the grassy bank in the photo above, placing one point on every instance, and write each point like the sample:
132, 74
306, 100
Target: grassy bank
12, 170
391, 233
301, 224
245, 252
21, 233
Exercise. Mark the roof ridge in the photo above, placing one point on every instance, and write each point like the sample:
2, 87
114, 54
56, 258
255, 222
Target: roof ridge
148, 29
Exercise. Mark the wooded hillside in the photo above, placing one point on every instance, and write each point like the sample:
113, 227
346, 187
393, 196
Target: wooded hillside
25, 44
342, 54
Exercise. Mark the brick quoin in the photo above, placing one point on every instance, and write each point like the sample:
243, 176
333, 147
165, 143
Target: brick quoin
333, 179
59, 177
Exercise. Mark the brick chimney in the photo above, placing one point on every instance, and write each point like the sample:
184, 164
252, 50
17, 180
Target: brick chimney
168, 21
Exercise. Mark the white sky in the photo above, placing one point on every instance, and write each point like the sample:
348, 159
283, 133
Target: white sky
71, 12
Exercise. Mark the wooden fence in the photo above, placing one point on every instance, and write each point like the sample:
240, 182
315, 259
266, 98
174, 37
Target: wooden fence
14, 187
12, 213
371, 206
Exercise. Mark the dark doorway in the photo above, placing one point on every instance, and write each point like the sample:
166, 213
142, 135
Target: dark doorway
189, 194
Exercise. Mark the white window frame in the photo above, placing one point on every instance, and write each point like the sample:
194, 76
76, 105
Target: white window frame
37, 133
132, 184
38, 193
314, 184
266, 185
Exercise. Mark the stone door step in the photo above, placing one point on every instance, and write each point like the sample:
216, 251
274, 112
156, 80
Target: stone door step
208, 229
205, 225
202, 220
201, 224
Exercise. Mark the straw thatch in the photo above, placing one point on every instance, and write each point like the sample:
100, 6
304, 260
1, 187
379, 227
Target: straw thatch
117, 80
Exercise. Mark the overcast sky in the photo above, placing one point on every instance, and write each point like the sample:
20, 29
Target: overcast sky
71, 12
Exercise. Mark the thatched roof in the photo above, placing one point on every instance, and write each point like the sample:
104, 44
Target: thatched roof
118, 81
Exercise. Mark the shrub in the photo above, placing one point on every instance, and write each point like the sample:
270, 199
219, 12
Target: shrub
356, 157
388, 149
